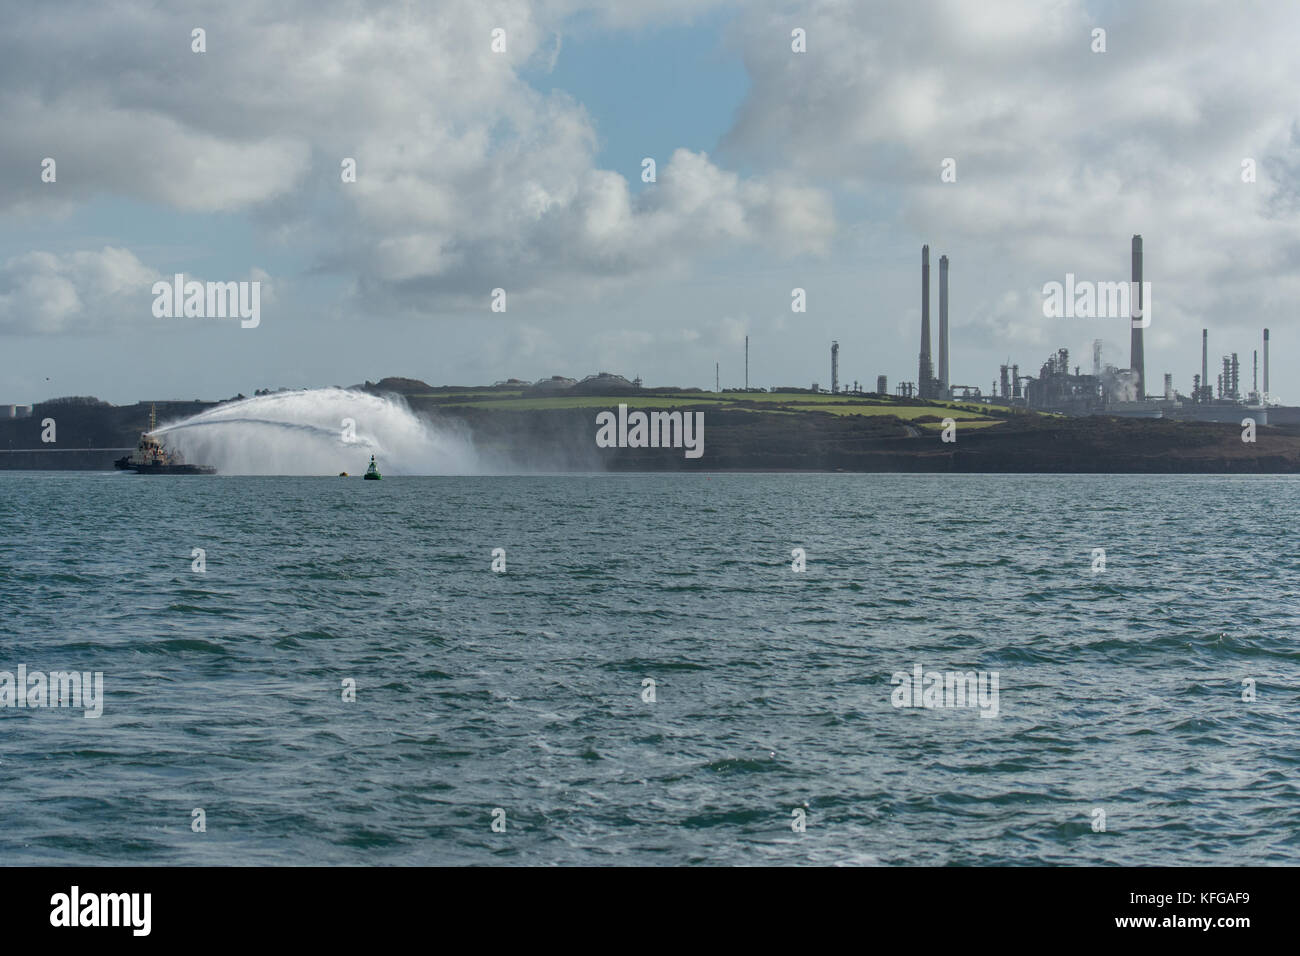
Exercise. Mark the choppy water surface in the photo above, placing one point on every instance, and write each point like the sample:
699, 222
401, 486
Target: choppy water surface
1120, 691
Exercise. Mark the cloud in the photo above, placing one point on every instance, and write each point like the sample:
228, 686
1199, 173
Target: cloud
470, 178
467, 178
1061, 153
44, 293
108, 290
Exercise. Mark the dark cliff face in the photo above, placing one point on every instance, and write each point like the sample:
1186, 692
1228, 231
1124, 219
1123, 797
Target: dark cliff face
746, 438
1151, 446
565, 440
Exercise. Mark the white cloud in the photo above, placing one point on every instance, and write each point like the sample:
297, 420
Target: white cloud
467, 177
43, 292
104, 290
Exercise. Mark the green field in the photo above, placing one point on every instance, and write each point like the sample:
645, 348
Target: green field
589, 401
905, 412
964, 424
487, 395
767, 402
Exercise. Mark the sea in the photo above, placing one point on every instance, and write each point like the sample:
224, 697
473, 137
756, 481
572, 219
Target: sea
708, 669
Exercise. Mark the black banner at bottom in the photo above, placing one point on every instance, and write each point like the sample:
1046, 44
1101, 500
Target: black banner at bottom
306, 905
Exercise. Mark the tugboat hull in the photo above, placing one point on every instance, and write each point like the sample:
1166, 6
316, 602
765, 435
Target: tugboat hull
124, 464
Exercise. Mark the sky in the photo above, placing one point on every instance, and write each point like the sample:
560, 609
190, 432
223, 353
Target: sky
522, 169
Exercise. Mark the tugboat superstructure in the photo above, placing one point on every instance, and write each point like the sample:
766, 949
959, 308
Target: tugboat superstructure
151, 458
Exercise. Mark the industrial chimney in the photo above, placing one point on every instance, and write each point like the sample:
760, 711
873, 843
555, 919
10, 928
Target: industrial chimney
943, 326
1137, 360
835, 368
1266, 363
1205, 364
925, 367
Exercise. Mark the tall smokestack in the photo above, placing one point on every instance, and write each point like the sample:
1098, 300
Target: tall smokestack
747, 363
1137, 360
835, 368
1266, 362
1205, 362
943, 326
925, 368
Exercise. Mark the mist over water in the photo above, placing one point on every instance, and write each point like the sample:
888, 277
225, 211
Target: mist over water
302, 433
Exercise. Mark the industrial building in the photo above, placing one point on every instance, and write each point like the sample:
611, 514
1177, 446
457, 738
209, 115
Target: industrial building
1109, 390
1105, 389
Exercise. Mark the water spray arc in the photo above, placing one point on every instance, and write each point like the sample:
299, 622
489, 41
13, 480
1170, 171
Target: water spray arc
321, 432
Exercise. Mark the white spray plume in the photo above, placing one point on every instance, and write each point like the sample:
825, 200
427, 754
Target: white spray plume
302, 433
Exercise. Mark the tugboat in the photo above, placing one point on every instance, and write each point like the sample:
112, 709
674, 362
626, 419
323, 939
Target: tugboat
151, 458
372, 473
